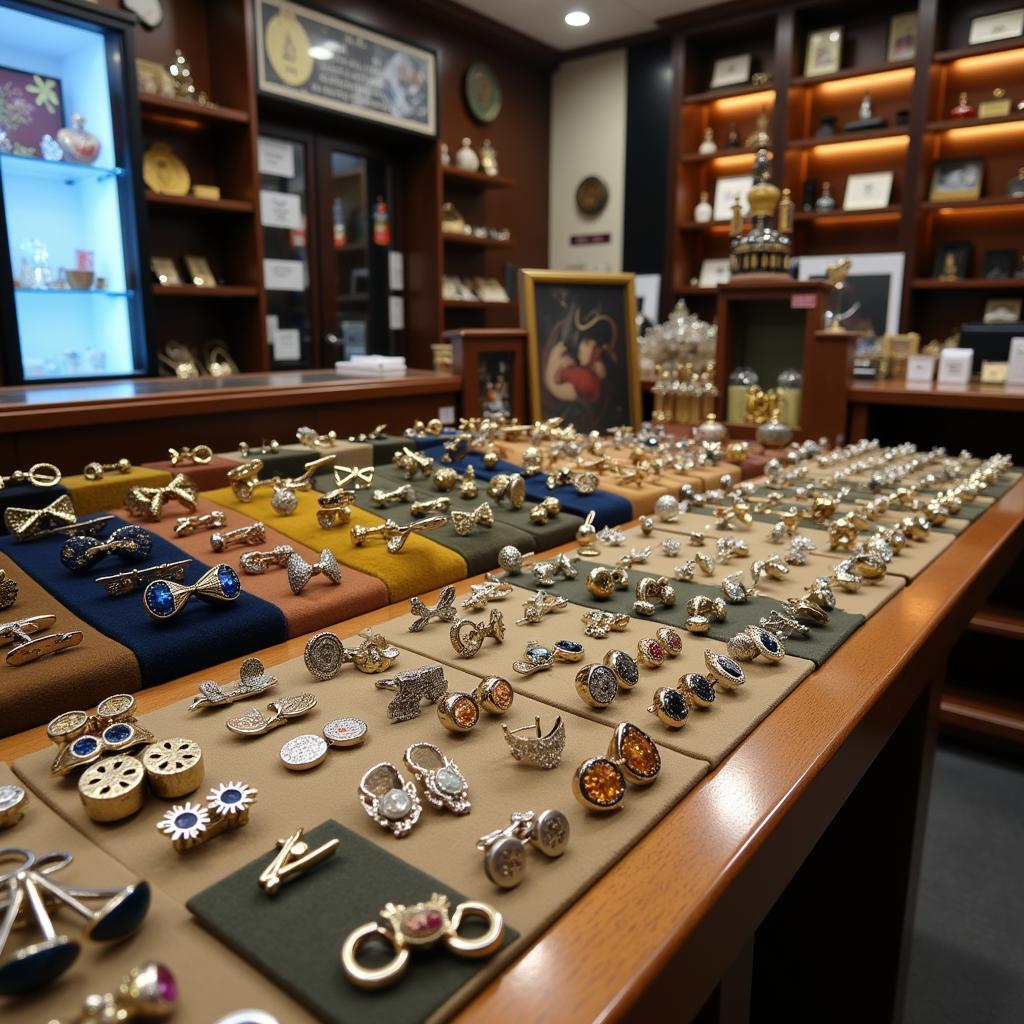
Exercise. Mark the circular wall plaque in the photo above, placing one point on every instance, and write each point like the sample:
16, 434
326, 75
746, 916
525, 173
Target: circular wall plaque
591, 196
483, 92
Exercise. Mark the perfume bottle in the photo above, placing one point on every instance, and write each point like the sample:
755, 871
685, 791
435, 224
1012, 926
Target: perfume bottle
79, 145
825, 201
708, 144
466, 158
702, 211
381, 223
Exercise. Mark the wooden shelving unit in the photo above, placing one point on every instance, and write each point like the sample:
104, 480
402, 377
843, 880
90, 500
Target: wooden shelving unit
974, 284
157, 107
474, 242
476, 180
195, 203
191, 291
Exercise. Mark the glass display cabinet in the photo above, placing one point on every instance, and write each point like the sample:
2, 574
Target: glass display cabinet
71, 296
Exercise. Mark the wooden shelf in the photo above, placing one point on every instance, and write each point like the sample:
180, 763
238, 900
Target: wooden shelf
945, 56
195, 203
886, 213
163, 107
468, 304
711, 225
988, 203
477, 180
951, 123
980, 713
999, 620
987, 397
845, 74
221, 291
728, 91
839, 138
976, 284
469, 240
695, 290
702, 158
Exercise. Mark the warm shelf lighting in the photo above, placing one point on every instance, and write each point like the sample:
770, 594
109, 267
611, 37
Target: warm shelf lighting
845, 150
731, 161
874, 82
980, 132
750, 99
989, 63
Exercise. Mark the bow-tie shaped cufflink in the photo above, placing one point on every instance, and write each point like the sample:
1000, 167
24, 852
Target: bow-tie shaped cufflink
358, 476
148, 502
27, 523
463, 522
300, 572
443, 611
130, 542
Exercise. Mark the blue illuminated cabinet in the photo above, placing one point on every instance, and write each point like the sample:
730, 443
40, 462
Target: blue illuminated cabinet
72, 294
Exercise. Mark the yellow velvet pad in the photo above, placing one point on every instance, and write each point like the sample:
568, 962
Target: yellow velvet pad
108, 492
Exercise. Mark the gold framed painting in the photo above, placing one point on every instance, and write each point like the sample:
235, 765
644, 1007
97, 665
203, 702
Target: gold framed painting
824, 55
582, 358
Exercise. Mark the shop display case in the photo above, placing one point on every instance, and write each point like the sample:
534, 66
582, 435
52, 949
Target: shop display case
72, 303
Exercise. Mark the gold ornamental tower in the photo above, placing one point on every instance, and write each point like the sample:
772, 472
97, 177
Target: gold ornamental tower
767, 247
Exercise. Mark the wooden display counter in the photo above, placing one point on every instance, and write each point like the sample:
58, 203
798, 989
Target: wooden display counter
112, 419
765, 885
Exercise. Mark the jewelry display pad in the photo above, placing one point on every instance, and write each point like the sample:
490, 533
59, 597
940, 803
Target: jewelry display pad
212, 981
442, 844
820, 644
708, 734
205, 475
90, 496
316, 910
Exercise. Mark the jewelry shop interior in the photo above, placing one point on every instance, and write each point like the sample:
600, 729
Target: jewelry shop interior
511, 511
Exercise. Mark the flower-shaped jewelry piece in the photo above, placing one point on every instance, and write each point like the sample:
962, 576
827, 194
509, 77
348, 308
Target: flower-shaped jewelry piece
190, 824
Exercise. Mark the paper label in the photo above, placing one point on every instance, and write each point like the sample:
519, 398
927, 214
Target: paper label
1015, 369
920, 369
280, 210
276, 158
284, 276
287, 344
396, 313
955, 366
396, 271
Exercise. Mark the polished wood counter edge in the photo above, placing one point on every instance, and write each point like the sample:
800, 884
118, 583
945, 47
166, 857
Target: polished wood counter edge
26, 408
995, 397
670, 882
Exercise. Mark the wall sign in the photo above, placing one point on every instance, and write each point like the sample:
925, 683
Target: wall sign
313, 58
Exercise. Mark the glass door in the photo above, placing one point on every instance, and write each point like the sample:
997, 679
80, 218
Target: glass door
69, 205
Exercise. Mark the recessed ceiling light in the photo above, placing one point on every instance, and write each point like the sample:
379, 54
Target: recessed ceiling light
577, 19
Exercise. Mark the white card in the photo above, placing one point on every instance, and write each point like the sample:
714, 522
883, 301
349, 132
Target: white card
1015, 370
276, 158
396, 313
284, 276
920, 369
280, 210
396, 271
287, 344
955, 366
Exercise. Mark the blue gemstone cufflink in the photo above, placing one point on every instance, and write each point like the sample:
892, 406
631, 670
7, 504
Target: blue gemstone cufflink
165, 598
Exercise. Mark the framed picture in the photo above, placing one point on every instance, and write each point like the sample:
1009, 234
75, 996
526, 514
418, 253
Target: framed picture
902, 37
999, 264
30, 107
870, 191
824, 54
714, 272
199, 272
992, 27
165, 270
730, 71
727, 190
1002, 311
956, 179
873, 292
492, 370
581, 347
952, 261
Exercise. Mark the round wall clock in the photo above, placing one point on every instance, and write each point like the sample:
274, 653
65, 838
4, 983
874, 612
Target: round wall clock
149, 12
483, 92
591, 196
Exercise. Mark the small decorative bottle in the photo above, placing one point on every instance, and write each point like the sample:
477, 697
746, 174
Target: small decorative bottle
825, 201
1015, 187
381, 223
79, 145
963, 108
864, 110
446, 157
488, 159
732, 140
466, 158
702, 211
708, 144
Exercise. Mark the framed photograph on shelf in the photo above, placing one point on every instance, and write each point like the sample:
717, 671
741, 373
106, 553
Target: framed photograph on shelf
581, 347
952, 261
1002, 311
165, 270
199, 272
492, 370
954, 180
30, 107
990, 28
714, 272
902, 37
873, 292
824, 54
730, 71
869, 191
999, 264
727, 190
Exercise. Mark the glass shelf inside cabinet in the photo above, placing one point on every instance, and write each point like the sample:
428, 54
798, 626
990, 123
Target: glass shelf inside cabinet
21, 292
38, 169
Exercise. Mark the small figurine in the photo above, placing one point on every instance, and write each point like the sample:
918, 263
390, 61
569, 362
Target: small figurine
864, 110
489, 159
50, 148
949, 271
466, 158
760, 139
963, 108
702, 211
1015, 187
446, 157
825, 201
732, 140
708, 144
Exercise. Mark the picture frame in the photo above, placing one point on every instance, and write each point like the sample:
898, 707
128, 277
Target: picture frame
714, 272
868, 191
1004, 310
902, 37
31, 106
954, 180
873, 291
952, 261
165, 271
199, 272
998, 264
726, 191
824, 52
582, 358
730, 71
493, 372
990, 28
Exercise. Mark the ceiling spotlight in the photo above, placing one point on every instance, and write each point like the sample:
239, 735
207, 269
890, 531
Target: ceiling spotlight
577, 19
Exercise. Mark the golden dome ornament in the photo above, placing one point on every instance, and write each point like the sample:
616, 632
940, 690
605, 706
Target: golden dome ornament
767, 247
